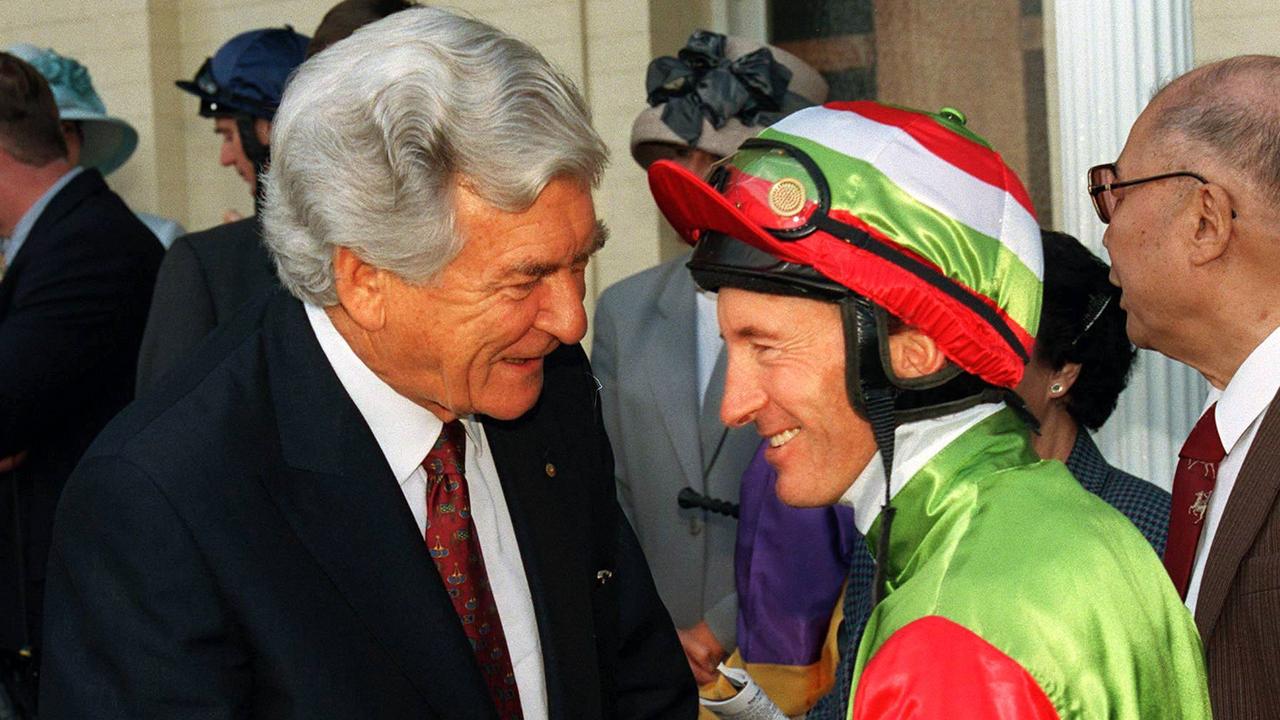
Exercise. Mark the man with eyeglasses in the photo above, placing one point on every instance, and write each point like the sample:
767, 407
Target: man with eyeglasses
1193, 212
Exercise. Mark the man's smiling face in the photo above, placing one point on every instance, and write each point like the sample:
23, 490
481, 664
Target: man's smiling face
787, 375
473, 339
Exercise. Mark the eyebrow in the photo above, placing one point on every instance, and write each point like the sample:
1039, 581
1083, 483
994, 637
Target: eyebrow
599, 236
752, 332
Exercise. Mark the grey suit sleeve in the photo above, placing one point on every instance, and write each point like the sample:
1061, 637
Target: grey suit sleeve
604, 353
133, 624
182, 314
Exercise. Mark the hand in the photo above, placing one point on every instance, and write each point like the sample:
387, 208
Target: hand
230, 216
13, 461
703, 652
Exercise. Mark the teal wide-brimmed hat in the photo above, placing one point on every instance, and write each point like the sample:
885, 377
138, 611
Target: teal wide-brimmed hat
108, 141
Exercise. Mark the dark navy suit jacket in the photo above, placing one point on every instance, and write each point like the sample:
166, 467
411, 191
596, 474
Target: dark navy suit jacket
72, 306
235, 545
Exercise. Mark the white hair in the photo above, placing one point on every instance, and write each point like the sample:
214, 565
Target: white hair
374, 134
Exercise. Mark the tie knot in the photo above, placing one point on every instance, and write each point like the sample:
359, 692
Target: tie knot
1204, 442
448, 455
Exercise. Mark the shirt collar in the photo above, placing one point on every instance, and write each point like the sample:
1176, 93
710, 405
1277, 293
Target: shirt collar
914, 445
1249, 392
405, 430
33, 213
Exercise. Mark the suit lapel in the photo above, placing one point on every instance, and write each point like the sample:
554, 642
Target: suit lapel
670, 365
554, 551
341, 499
1251, 502
64, 201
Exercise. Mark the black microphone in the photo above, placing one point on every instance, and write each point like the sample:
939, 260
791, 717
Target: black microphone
690, 498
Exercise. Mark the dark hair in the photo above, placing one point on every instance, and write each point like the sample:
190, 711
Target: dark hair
29, 128
1076, 327
350, 15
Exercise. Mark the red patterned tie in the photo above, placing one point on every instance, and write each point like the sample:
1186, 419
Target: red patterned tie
451, 538
1192, 487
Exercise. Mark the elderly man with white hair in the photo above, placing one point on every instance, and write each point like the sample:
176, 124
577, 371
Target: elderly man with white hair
386, 493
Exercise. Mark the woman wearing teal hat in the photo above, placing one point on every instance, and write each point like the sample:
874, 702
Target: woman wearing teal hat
94, 139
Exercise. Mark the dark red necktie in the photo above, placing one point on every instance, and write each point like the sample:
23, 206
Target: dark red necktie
451, 538
1192, 487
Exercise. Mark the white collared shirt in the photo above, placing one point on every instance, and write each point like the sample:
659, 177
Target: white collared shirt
1241, 406
707, 339
12, 244
915, 444
405, 432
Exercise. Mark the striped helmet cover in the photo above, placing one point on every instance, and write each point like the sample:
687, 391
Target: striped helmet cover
921, 184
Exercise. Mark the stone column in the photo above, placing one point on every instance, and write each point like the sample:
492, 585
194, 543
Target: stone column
1111, 56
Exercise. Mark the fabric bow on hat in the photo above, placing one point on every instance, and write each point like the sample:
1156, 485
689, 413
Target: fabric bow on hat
68, 76
702, 83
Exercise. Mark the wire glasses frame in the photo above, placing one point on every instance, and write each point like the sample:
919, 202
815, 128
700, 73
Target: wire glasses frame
1102, 184
1102, 187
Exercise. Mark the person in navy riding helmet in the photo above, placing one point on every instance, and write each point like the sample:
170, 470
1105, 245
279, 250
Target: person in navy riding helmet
240, 88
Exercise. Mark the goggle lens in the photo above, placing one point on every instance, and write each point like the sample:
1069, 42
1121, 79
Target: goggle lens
772, 188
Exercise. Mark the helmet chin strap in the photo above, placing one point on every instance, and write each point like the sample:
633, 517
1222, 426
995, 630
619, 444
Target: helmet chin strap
872, 396
258, 153
887, 401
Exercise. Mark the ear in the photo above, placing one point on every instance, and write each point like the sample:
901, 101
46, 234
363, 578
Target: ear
262, 128
362, 289
914, 354
1213, 223
1065, 378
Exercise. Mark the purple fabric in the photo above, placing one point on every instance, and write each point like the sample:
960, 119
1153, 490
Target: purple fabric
790, 564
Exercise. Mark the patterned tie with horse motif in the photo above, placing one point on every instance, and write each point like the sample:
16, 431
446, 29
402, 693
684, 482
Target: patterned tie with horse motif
451, 538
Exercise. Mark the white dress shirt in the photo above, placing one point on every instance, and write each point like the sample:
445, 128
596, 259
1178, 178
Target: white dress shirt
406, 432
708, 340
11, 245
914, 445
1241, 406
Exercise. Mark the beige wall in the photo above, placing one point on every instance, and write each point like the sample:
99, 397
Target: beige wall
138, 48
1222, 28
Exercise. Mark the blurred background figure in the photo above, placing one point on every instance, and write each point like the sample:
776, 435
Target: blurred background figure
208, 275
94, 139
350, 15
657, 350
240, 88
78, 267
1080, 366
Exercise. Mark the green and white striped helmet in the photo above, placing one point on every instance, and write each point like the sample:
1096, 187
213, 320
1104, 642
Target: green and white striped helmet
908, 209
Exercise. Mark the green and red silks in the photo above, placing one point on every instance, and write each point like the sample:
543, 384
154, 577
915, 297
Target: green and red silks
1015, 593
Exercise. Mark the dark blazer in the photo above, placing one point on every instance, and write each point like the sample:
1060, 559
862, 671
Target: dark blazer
1238, 611
205, 277
72, 306
235, 546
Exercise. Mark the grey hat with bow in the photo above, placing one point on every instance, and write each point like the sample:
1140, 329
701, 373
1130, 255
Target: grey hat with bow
720, 90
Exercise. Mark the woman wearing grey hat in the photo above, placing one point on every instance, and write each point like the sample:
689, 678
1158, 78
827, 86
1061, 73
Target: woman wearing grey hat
657, 351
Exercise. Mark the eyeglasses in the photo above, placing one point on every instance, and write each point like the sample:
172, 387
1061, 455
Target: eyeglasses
1102, 187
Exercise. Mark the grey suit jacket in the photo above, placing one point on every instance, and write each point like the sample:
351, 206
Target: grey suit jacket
1238, 612
645, 357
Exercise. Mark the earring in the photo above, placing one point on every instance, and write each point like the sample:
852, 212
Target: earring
1055, 389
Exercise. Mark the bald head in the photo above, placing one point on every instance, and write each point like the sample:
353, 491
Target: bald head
1228, 111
